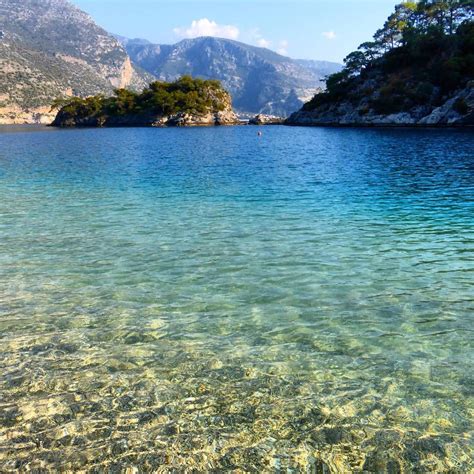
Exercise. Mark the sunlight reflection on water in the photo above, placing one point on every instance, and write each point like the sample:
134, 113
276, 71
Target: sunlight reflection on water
199, 299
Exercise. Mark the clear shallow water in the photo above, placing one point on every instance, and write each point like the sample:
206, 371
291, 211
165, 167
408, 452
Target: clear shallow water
205, 299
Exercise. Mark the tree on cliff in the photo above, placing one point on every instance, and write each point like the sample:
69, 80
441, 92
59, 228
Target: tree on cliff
431, 41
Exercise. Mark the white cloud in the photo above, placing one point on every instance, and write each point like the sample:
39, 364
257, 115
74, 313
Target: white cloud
263, 43
254, 36
205, 27
329, 35
283, 48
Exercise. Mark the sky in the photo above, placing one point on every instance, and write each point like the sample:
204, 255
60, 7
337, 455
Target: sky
303, 29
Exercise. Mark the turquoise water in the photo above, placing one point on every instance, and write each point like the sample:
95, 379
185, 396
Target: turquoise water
208, 300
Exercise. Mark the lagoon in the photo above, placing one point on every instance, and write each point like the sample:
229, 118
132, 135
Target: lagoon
208, 299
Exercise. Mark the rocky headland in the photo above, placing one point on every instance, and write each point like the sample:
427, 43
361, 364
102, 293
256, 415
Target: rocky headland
262, 119
185, 102
456, 111
418, 71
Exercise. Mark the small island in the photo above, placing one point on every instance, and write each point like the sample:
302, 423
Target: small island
185, 102
418, 71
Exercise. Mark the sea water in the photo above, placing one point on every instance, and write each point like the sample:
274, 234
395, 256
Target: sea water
210, 300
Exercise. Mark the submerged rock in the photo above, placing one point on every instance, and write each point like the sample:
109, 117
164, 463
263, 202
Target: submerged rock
380, 461
9, 416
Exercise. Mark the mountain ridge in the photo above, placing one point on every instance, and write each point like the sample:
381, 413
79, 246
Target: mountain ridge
259, 79
50, 49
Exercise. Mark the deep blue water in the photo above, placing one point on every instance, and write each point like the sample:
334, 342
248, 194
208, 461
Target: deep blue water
211, 299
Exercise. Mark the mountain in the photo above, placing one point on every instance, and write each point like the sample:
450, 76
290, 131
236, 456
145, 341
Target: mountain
128, 41
50, 48
260, 80
418, 70
321, 68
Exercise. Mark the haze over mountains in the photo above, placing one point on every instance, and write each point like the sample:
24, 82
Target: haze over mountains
50, 48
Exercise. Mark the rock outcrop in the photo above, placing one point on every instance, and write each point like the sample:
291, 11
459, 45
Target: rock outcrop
457, 110
262, 119
182, 119
15, 115
184, 103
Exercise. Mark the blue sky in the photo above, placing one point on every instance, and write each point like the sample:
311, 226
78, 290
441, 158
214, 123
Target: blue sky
306, 29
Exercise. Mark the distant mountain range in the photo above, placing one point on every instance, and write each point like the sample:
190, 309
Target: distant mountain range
260, 80
50, 48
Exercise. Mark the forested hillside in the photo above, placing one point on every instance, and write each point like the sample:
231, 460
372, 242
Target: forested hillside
417, 69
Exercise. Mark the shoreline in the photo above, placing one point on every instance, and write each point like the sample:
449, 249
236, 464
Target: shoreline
381, 125
243, 124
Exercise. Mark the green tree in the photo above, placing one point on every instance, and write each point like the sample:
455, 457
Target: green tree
161, 98
371, 50
355, 62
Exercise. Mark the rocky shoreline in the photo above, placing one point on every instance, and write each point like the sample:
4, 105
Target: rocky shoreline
347, 114
176, 120
301, 120
343, 115
19, 116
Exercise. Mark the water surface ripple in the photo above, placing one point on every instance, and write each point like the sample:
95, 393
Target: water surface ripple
204, 299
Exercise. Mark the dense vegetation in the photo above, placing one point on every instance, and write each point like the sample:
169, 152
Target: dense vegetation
186, 95
423, 53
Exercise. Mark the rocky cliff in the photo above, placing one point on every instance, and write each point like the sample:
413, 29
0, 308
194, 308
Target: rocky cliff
456, 110
260, 80
50, 48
